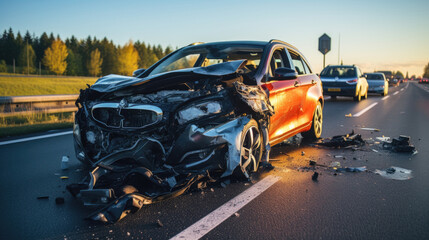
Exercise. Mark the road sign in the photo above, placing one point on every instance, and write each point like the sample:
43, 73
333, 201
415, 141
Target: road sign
324, 44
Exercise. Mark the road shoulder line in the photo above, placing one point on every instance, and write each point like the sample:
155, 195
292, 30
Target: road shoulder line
213, 219
35, 138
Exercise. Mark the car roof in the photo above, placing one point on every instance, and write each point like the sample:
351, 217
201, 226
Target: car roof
343, 66
257, 43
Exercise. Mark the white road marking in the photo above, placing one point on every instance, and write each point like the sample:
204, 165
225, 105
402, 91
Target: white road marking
385, 97
35, 138
395, 93
209, 222
365, 110
402, 89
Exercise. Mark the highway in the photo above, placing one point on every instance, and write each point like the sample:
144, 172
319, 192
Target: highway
284, 203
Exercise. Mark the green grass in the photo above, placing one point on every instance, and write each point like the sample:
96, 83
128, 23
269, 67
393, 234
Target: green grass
40, 122
44, 85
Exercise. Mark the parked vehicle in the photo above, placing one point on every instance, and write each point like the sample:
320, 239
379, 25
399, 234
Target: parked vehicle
205, 108
344, 80
377, 83
423, 80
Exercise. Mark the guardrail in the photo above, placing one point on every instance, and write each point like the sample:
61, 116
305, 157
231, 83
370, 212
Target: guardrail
24, 105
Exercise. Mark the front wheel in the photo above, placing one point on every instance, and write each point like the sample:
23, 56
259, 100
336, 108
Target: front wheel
358, 97
316, 127
250, 149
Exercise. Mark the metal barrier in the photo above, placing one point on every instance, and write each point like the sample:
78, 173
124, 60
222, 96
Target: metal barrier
24, 105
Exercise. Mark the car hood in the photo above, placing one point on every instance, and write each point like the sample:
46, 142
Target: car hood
114, 82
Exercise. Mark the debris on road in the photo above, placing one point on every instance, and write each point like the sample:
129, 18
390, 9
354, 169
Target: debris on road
159, 223
64, 177
371, 129
351, 169
315, 176
43, 197
348, 115
65, 162
395, 173
237, 214
401, 144
342, 141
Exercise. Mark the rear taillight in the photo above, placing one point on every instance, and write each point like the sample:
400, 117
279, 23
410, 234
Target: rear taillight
352, 81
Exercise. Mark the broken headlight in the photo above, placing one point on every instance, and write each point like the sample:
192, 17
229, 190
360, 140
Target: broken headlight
198, 110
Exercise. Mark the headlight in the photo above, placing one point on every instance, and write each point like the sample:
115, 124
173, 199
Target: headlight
76, 132
197, 111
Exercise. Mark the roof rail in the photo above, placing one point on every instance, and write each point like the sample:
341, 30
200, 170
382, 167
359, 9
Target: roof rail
195, 43
280, 41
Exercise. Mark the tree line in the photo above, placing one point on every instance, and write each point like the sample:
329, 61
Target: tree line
48, 54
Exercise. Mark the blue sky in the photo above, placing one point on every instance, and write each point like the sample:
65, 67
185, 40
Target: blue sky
376, 35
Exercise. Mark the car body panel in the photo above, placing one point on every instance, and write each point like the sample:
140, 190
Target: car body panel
342, 85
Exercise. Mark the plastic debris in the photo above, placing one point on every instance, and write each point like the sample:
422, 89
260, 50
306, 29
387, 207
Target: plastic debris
335, 164
401, 144
395, 173
374, 150
315, 176
64, 177
383, 139
351, 169
159, 223
302, 153
59, 200
371, 129
338, 156
348, 115
65, 162
43, 197
350, 139
237, 214
312, 163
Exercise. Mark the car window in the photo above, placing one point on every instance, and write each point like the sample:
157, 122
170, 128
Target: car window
203, 56
278, 59
298, 63
374, 76
339, 71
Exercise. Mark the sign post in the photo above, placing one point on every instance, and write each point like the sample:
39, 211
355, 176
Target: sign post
324, 46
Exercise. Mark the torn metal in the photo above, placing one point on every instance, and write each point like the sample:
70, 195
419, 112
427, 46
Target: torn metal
149, 139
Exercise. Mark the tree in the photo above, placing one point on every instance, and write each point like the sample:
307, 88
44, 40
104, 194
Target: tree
128, 58
426, 71
55, 57
94, 63
398, 74
74, 64
27, 58
3, 67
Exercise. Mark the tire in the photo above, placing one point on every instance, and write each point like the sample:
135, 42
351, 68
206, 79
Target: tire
366, 94
358, 97
316, 126
251, 150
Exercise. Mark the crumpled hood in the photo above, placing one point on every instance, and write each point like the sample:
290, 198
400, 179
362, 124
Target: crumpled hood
114, 82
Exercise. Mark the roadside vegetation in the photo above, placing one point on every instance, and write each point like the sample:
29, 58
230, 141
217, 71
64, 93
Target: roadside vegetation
33, 123
42, 85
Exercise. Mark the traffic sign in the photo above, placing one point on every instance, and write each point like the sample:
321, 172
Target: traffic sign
324, 44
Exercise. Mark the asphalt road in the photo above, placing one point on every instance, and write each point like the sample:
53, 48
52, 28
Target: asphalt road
338, 206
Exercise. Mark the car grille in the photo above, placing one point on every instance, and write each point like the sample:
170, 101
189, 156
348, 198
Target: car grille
131, 116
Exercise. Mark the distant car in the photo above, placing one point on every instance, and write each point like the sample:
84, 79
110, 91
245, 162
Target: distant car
424, 80
344, 80
377, 83
394, 82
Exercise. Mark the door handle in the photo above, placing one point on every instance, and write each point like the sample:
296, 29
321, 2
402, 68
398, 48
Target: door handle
313, 81
296, 84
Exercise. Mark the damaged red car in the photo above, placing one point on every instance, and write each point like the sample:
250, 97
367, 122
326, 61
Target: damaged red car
205, 112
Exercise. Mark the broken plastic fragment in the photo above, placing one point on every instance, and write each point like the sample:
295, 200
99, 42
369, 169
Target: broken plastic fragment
315, 176
395, 173
349, 115
371, 129
64, 177
65, 162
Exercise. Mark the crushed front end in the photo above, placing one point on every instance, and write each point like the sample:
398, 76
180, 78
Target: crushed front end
151, 139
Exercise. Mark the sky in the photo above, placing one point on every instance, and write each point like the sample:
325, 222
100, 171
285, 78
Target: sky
373, 34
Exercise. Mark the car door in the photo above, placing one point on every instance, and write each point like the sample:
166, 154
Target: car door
283, 97
307, 90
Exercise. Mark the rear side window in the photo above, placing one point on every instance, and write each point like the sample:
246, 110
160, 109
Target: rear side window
374, 77
340, 72
298, 63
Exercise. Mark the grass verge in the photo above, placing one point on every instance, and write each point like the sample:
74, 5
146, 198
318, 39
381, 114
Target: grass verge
35, 128
42, 85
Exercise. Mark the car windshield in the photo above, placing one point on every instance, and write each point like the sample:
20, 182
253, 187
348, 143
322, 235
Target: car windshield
340, 72
374, 77
203, 56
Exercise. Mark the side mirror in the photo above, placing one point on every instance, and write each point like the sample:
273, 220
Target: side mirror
138, 72
364, 76
284, 73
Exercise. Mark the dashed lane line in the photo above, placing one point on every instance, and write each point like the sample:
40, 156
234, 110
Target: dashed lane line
35, 138
365, 110
395, 93
385, 97
209, 222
